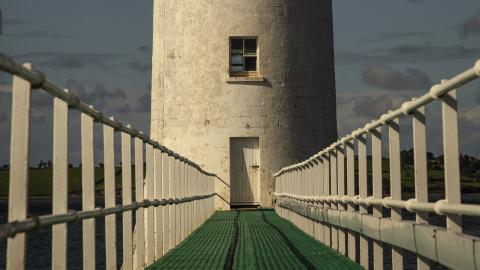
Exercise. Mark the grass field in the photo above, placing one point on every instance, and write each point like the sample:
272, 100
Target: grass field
41, 180
40, 183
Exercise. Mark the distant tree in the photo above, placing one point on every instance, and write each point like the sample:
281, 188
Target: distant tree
41, 164
70, 165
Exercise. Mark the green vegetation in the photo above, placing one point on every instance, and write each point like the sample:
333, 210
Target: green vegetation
40, 183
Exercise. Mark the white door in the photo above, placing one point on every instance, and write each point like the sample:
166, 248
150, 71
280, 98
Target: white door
244, 171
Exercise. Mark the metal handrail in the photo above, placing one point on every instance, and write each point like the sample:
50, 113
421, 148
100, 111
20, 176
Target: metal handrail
39, 80
10, 229
407, 107
441, 207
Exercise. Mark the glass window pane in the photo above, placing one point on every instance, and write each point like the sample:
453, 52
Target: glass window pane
236, 68
237, 59
251, 46
236, 43
250, 63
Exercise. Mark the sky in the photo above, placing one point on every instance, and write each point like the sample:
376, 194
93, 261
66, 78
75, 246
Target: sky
385, 53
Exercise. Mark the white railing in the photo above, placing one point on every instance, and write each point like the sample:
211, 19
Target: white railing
319, 198
172, 199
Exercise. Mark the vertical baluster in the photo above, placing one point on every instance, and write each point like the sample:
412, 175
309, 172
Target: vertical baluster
362, 171
183, 220
149, 189
420, 170
60, 182
319, 192
173, 207
451, 157
187, 204
166, 195
377, 191
18, 183
88, 191
333, 193
127, 200
311, 189
352, 250
303, 184
139, 197
326, 193
320, 179
158, 220
195, 203
395, 184
341, 193
176, 188
109, 186
191, 212
182, 205
314, 190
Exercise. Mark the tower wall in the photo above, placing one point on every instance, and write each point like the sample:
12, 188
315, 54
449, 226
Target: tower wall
195, 110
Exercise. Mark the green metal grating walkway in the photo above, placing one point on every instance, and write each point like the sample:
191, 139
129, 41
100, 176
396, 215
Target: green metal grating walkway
251, 240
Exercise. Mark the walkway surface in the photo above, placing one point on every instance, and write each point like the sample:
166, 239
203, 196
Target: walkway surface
257, 239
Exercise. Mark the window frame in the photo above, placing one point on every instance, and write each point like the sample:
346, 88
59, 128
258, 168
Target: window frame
245, 55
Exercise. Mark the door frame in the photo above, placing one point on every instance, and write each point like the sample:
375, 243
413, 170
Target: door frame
258, 191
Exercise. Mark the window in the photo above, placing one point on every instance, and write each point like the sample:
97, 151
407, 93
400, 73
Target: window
243, 57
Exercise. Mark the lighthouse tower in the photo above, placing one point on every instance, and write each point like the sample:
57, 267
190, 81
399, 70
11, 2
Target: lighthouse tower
245, 87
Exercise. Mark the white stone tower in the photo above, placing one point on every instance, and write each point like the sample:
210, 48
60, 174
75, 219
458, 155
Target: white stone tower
245, 87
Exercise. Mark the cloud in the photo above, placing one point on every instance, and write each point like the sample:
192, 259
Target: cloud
41, 99
123, 109
470, 27
390, 36
409, 54
147, 50
374, 107
99, 96
386, 78
71, 61
139, 66
14, 22
3, 117
143, 105
35, 34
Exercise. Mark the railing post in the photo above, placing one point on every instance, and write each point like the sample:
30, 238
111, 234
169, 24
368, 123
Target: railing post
127, 200
321, 205
451, 157
351, 192
341, 192
18, 183
176, 188
420, 171
60, 182
139, 197
158, 220
166, 163
183, 208
150, 195
109, 187
326, 192
362, 173
88, 191
377, 191
333, 192
395, 184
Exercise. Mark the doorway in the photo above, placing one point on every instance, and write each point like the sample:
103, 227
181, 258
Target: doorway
244, 172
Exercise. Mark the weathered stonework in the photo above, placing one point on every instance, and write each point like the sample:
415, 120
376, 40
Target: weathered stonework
196, 108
